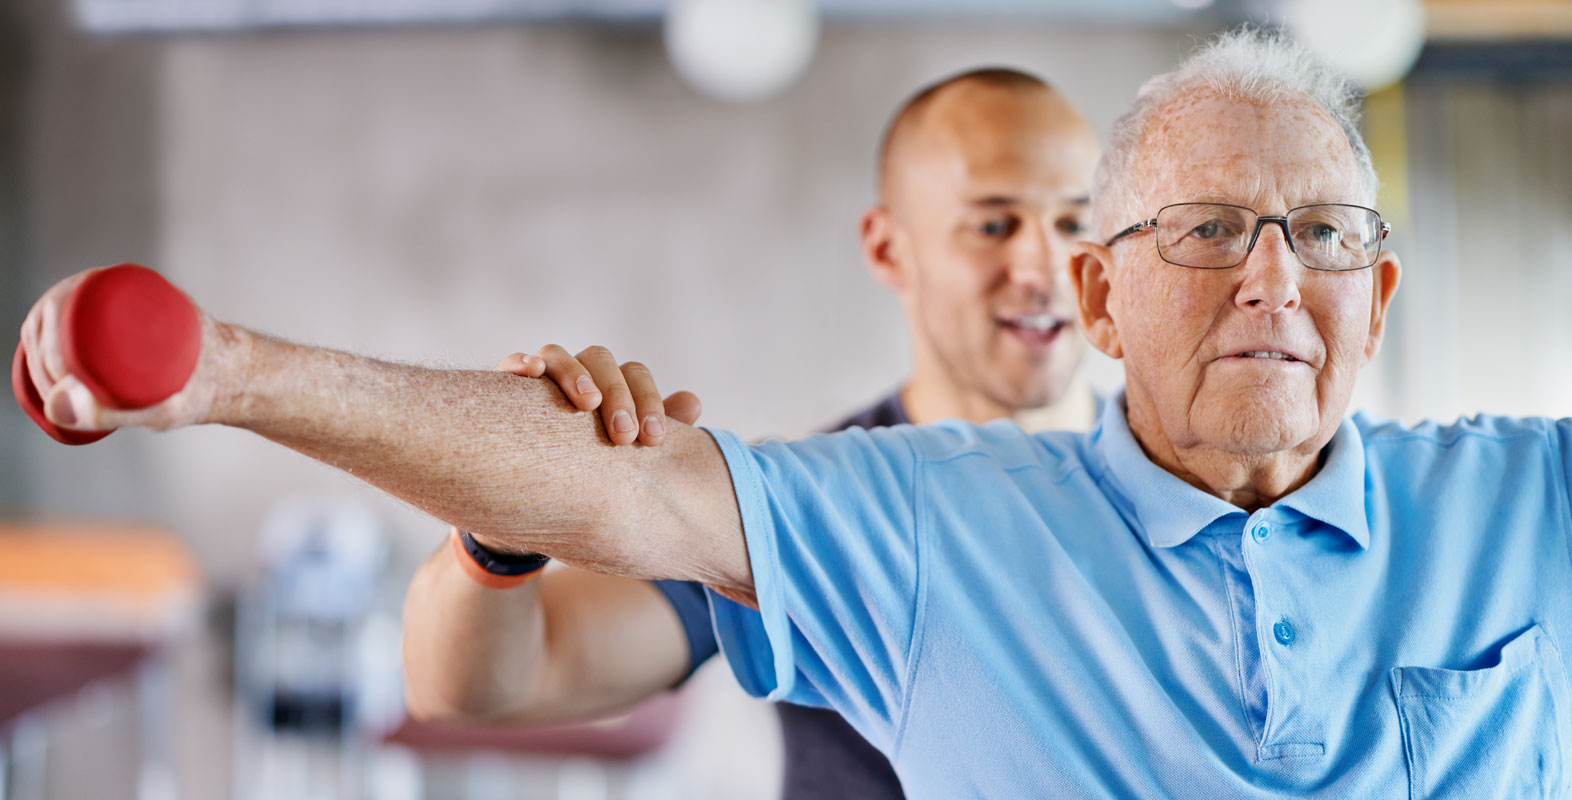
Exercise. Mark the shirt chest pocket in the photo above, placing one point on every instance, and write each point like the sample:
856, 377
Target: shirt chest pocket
1496, 732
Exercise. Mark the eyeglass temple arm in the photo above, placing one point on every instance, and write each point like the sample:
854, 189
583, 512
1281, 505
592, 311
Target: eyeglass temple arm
1133, 229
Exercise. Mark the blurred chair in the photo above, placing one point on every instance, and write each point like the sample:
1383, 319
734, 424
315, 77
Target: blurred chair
309, 635
85, 607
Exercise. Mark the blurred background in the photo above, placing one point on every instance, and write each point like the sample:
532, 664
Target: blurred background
205, 615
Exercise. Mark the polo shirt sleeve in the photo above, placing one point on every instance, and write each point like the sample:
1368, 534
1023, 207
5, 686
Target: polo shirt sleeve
831, 538
1562, 438
692, 607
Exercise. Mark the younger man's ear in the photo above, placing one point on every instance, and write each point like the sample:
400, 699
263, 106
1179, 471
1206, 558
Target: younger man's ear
1091, 267
878, 248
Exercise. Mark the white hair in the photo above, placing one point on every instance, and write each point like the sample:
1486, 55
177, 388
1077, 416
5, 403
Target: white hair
1249, 63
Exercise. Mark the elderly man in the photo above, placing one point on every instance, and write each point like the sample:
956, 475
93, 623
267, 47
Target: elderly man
984, 185
1227, 590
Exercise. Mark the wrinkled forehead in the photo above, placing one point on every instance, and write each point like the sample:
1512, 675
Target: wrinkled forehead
1267, 156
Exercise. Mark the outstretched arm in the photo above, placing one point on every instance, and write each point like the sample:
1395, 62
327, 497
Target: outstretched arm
508, 459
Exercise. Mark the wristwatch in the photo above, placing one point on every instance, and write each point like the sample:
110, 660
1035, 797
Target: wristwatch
492, 569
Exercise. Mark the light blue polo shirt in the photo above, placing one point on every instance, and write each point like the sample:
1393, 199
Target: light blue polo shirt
1010, 615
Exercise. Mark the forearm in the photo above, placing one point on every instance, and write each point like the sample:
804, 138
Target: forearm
503, 456
480, 450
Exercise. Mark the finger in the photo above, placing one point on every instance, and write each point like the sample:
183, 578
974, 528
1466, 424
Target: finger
617, 410
52, 358
684, 407
571, 376
524, 364
31, 328
46, 367
649, 410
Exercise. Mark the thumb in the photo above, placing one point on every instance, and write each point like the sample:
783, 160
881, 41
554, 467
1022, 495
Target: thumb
70, 405
684, 407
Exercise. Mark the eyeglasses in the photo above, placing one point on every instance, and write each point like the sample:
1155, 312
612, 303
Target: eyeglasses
1325, 236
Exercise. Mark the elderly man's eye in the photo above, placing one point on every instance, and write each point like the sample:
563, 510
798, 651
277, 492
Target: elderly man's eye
1322, 234
1211, 229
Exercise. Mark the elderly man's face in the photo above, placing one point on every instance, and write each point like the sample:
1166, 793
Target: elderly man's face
1183, 332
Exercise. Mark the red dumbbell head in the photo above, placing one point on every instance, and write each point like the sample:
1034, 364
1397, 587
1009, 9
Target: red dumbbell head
129, 336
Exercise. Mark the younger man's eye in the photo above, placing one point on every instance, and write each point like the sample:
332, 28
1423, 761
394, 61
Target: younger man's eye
997, 228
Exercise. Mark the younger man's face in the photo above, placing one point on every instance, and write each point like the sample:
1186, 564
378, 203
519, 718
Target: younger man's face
987, 196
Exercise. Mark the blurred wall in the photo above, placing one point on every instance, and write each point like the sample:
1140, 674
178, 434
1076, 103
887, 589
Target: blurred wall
1486, 305
13, 292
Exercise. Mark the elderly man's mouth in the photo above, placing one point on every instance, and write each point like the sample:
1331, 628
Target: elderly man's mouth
1269, 357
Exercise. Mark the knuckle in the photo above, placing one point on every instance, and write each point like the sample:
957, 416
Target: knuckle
594, 351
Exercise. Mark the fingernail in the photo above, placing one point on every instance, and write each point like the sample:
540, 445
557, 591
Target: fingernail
586, 386
622, 422
65, 411
654, 426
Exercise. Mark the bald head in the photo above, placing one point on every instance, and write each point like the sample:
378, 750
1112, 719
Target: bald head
976, 104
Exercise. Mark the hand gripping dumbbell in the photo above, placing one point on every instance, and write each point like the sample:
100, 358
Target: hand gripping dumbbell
128, 335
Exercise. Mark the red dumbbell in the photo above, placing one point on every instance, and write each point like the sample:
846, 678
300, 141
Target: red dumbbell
128, 335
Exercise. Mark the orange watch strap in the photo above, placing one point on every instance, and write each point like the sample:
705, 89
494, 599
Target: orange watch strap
479, 574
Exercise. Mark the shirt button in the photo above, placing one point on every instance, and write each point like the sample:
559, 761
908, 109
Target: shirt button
1284, 633
1261, 532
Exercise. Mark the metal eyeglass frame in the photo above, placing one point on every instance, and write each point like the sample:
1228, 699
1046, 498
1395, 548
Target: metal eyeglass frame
1260, 220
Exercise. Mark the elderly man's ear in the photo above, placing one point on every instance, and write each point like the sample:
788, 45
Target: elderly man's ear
1091, 265
1385, 276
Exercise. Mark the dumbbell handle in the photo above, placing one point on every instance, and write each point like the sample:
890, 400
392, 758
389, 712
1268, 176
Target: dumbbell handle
130, 336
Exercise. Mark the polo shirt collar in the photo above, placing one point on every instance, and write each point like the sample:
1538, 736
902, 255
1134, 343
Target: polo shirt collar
1336, 495
1171, 512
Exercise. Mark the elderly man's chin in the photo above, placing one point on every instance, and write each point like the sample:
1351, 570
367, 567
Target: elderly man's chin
1256, 419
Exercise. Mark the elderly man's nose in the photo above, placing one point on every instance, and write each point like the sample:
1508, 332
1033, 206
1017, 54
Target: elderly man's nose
1271, 274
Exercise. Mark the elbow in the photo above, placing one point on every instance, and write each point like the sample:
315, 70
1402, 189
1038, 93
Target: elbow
460, 707
425, 710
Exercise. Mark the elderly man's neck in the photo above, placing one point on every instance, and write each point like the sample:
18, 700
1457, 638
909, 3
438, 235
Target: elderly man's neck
1247, 480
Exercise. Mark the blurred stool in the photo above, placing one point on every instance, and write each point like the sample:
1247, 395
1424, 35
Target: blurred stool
83, 605
582, 753
305, 647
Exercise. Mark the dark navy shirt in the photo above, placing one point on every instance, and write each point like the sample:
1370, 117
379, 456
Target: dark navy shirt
825, 757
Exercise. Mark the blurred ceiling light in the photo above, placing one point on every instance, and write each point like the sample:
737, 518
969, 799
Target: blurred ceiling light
741, 50
1191, 5
1373, 42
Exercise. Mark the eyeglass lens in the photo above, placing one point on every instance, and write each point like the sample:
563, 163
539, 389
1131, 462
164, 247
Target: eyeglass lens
1216, 236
